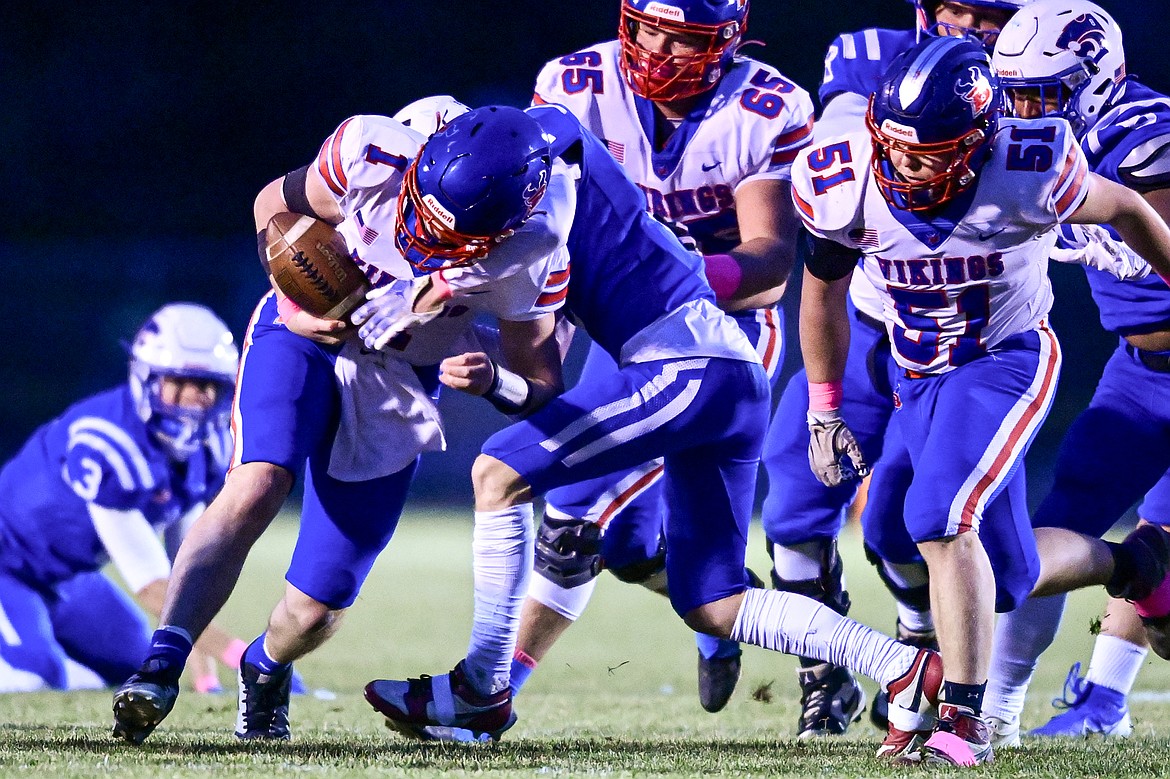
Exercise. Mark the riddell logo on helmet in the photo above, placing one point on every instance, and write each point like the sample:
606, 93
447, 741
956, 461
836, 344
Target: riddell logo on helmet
440, 213
895, 130
665, 11
976, 89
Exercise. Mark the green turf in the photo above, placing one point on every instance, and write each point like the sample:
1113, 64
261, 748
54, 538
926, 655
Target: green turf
616, 698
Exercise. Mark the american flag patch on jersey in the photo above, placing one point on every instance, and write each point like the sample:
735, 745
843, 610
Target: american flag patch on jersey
618, 150
368, 234
866, 239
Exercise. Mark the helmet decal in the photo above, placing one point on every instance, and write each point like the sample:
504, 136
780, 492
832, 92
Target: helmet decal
976, 89
1083, 36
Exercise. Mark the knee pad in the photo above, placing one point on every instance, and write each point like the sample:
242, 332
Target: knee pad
568, 551
917, 598
645, 572
828, 588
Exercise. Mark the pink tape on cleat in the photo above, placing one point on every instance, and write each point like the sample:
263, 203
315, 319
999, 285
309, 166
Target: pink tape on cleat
943, 747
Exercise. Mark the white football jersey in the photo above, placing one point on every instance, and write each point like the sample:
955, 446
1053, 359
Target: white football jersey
953, 284
363, 164
750, 126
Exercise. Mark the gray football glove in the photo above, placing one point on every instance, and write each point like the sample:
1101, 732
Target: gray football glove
833, 453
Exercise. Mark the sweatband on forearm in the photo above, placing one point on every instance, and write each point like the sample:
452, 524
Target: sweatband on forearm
824, 396
509, 391
724, 274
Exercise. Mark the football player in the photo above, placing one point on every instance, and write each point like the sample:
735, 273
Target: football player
709, 137
98, 484
1065, 58
690, 388
950, 211
801, 517
352, 406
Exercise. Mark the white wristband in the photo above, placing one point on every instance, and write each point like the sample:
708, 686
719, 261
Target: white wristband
509, 391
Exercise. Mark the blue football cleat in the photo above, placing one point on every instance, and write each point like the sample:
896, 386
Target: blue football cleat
1091, 709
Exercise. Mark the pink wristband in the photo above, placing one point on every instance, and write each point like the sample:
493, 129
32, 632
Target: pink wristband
286, 307
234, 652
824, 396
723, 274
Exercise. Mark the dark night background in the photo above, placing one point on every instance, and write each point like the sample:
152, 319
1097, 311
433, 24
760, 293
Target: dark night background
136, 135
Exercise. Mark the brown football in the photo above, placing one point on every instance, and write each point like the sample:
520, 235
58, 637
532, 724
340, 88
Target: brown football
309, 262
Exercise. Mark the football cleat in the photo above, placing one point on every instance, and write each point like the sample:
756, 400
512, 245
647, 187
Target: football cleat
830, 701
262, 706
1004, 734
913, 698
142, 702
442, 708
961, 738
717, 679
923, 639
1090, 710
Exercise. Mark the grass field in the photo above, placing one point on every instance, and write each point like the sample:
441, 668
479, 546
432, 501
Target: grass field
616, 697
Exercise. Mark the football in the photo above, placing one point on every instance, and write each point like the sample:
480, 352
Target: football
309, 262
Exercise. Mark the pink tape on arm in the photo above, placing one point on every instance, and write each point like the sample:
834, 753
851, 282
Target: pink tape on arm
1157, 604
824, 396
286, 307
234, 652
441, 285
723, 274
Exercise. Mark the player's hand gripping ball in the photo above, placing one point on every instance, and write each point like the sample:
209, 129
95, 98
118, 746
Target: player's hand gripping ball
310, 264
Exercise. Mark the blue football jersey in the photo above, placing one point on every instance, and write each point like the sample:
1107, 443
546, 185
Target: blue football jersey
628, 270
1130, 144
98, 451
855, 61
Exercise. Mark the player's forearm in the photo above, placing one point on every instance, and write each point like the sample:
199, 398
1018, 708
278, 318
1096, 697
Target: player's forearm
270, 201
1145, 232
824, 328
765, 265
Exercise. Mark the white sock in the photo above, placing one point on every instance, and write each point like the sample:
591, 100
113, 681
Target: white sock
791, 623
502, 548
797, 563
1115, 663
1021, 636
569, 602
915, 620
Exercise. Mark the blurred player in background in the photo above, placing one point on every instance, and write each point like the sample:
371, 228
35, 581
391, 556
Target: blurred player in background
97, 485
950, 211
709, 137
1065, 58
802, 518
354, 410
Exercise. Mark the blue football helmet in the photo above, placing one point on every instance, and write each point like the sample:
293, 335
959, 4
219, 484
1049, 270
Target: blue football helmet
473, 184
938, 99
1067, 56
928, 24
715, 26
183, 341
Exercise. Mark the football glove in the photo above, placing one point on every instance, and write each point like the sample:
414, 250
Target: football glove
833, 453
1095, 246
389, 310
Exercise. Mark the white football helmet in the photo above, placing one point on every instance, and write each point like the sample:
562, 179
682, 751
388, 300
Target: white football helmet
1071, 51
427, 115
188, 341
